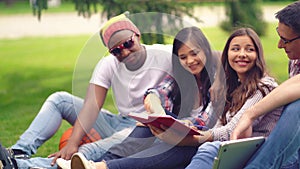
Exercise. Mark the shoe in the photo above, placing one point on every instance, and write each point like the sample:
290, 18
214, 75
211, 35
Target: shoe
78, 161
7, 161
18, 154
64, 164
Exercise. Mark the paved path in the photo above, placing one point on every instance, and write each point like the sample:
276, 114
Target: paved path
17, 26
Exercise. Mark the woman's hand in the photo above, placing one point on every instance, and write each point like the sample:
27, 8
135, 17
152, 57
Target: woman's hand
243, 128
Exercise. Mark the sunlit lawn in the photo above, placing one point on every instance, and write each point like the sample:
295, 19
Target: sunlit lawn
33, 68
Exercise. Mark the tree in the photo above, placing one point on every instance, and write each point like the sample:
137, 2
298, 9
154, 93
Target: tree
239, 13
244, 13
155, 22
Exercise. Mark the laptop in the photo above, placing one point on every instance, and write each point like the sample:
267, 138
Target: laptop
234, 154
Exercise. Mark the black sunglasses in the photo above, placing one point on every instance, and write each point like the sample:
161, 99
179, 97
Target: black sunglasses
116, 51
286, 41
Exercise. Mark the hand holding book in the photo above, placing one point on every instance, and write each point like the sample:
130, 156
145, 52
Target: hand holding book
165, 120
171, 136
156, 116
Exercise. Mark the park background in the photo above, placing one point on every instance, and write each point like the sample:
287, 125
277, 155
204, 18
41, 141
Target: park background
39, 57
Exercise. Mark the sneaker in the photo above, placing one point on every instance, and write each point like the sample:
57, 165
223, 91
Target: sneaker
78, 161
7, 161
18, 154
64, 164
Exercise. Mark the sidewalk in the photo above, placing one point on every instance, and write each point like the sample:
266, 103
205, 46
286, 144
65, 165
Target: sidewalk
27, 25
18, 26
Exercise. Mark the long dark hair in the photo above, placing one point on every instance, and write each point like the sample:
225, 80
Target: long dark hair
187, 88
238, 93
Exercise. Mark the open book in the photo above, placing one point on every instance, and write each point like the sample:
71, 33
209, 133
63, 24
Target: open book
157, 120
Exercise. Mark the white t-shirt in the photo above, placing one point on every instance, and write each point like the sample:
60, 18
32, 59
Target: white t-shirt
128, 86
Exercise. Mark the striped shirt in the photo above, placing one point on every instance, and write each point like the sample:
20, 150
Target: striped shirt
261, 126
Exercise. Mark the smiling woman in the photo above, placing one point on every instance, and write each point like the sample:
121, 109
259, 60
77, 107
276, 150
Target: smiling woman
242, 55
247, 83
192, 58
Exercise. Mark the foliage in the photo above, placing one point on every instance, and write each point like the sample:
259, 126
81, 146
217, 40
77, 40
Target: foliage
244, 13
144, 20
155, 21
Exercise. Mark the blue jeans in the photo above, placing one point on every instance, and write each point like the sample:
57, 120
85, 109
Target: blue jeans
282, 147
159, 156
280, 150
205, 155
139, 139
141, 149
62, 105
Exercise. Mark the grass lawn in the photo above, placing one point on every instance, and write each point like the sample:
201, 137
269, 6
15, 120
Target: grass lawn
33, 68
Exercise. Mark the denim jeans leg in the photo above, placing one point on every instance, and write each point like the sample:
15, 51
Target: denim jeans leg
139, 139
113, 130
159, 156
205, 155
62, 105
35, 162
58, 106
282, 143
291, 163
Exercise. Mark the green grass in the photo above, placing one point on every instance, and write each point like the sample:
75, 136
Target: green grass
33, 68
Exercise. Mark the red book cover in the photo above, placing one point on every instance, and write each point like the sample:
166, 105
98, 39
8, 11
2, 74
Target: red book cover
166, 120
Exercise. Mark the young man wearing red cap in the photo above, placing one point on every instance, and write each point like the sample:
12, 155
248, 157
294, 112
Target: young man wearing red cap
130, 70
